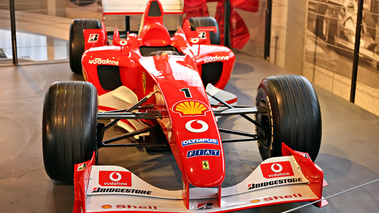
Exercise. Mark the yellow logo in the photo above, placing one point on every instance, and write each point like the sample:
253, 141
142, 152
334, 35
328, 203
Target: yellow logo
205, 165
106, 206
186, 108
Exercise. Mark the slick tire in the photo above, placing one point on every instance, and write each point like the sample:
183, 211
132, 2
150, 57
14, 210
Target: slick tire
206, 22
293, 116
76, 41
68, 128
211, 72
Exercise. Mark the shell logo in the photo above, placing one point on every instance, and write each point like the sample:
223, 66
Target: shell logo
106, 206
188, 108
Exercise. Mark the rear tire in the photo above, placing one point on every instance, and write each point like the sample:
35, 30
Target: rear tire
77, 41
211, 72
206, 22
293, 116
69, 128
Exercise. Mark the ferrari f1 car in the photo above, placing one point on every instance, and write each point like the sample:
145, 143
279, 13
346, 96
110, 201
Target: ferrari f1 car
167, 91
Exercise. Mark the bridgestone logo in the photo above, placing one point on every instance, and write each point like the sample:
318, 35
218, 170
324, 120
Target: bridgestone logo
104, 61
120, 190
216, 58
273, 183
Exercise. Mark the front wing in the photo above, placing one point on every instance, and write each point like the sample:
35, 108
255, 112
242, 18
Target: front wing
292, 178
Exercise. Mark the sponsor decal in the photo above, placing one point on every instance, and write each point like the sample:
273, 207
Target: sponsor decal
273, 183
101, 61
203, 152
273, 198
190, 108
120, 190
135, 207
200, 141
216, 59
205, 164
199, 126
278, 169
82, 167
112, 178
194, 40
106, 206
201, 206
93, 38
202, 34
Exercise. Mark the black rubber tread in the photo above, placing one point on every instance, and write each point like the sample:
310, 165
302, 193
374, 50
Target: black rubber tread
294, 116
206, 22
82, 2
76, 41
69, 127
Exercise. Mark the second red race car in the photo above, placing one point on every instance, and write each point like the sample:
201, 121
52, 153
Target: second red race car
167, 91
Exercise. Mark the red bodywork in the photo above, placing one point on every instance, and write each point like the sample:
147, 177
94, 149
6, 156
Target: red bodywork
187, 118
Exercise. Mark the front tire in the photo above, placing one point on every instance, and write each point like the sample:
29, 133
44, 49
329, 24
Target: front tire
76, 41
293, 116
69, 128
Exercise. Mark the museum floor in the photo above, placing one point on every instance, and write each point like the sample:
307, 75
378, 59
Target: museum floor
348, 155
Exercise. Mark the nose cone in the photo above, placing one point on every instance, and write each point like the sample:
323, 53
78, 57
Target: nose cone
205, 167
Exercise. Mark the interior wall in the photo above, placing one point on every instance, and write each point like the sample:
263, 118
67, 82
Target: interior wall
296, 20
329, 47
287, 34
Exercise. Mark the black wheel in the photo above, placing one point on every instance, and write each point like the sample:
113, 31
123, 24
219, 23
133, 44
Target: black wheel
77, 41
82, 2
206, 22
69, 127
211, 72
293, 116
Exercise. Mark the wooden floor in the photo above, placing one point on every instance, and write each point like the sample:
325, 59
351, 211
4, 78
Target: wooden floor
348, 155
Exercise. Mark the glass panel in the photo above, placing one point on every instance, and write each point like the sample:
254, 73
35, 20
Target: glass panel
43, 28
6, 39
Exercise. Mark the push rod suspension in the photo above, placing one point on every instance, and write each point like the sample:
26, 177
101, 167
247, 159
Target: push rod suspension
127, 135
231, 107
135, 106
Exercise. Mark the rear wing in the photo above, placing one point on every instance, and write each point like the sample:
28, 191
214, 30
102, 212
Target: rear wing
122, 7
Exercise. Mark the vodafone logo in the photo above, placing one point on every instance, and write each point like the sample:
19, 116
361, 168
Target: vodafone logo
196, 126
113, 178
277, 169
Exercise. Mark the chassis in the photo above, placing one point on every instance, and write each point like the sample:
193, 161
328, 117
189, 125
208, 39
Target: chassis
159, 88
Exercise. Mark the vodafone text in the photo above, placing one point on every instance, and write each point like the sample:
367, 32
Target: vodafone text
104, 61
216, 58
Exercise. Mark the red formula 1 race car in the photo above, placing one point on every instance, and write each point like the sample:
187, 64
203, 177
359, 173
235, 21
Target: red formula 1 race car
166, 91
